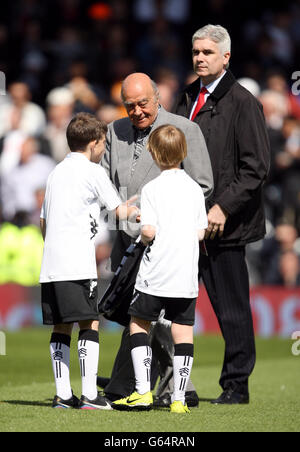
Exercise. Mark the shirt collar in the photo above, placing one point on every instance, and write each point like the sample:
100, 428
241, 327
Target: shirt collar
212, 86
77, 155
171, 171
145, 132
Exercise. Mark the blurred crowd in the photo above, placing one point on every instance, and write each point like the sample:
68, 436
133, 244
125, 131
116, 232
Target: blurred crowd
65, 56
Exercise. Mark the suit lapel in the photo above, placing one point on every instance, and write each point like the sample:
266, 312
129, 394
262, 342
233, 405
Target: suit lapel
125, 156
145, 162
142, 168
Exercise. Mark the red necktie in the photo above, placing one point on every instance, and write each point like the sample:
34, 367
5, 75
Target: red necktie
200, 103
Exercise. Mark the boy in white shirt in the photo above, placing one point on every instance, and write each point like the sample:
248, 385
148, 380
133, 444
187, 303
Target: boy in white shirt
173, 220
76, 190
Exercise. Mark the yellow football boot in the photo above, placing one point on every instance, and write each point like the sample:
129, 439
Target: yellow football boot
178, 407
135, 402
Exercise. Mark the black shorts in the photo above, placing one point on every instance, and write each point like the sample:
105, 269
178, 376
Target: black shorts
69, 301
177, 310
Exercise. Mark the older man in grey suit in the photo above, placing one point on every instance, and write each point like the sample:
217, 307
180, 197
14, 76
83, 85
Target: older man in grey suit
130, 166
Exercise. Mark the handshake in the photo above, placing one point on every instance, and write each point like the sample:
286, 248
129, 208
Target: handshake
129, 211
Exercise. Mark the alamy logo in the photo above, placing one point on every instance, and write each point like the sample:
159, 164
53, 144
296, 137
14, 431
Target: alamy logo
296, 84
184, 372
2, 344
2, 84
296, 345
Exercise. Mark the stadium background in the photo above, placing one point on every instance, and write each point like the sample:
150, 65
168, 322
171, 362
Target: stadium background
64, 56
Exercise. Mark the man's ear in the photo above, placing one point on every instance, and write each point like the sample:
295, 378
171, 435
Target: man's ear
226, 57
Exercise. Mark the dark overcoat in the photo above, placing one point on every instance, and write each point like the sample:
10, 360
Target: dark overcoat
233, 125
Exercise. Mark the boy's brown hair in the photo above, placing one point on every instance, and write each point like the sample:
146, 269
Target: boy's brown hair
168, 146
83, 129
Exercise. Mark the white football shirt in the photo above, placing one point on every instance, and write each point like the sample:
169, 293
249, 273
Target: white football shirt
76, 190
174, 204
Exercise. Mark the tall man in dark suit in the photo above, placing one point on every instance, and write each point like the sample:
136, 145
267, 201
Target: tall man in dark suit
130, 166
233, 125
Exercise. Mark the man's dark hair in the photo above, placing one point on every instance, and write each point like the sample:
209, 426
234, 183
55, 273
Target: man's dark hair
83, 129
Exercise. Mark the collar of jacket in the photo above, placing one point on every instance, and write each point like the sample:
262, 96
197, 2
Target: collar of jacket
223, 87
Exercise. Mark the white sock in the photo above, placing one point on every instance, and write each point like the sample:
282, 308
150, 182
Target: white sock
88, 355
182, 367
60, 356
142, 359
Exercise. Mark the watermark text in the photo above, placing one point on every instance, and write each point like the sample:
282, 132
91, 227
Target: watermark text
2, 344
2, 84
296, 344
296, 84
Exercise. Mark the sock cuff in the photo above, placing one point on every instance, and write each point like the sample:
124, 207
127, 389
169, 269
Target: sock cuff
88, 335
184, 350
139, 340
60, 338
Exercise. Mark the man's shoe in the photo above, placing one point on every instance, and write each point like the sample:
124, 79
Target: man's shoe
102, 382
112, 397
58, 402
99, 403
179, 408
191, 399
135, 402
230, 397
163, 401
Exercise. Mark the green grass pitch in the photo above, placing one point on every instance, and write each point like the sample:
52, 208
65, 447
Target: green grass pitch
27, 389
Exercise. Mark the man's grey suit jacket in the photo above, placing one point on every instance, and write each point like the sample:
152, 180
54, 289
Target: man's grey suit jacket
118, 158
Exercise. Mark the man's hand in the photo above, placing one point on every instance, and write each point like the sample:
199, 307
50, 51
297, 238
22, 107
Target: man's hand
217, 218
129, 211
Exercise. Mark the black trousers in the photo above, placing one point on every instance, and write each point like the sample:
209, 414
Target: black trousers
122, 381
225, 276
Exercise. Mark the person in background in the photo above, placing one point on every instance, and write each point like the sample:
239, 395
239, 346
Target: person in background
32, 119
233, 124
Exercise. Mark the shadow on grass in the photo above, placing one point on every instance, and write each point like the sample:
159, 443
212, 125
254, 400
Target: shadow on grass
205, 400
47, 403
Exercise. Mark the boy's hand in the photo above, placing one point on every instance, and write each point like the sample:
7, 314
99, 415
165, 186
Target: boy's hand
134, 213
217, 218
129, 211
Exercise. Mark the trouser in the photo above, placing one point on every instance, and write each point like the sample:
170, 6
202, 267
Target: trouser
225, 276
122, 381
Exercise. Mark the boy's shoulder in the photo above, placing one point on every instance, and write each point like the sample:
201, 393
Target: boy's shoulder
192, 182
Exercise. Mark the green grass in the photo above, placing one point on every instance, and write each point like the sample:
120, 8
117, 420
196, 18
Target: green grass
27, 389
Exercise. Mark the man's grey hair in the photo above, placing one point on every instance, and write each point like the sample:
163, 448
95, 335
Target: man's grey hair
154, 86
216, 33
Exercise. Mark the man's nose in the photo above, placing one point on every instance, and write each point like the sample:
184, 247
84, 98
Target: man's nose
137, 110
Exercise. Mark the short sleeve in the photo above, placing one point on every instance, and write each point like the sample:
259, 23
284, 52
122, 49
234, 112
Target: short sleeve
202, 215
105, 190
148, 214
